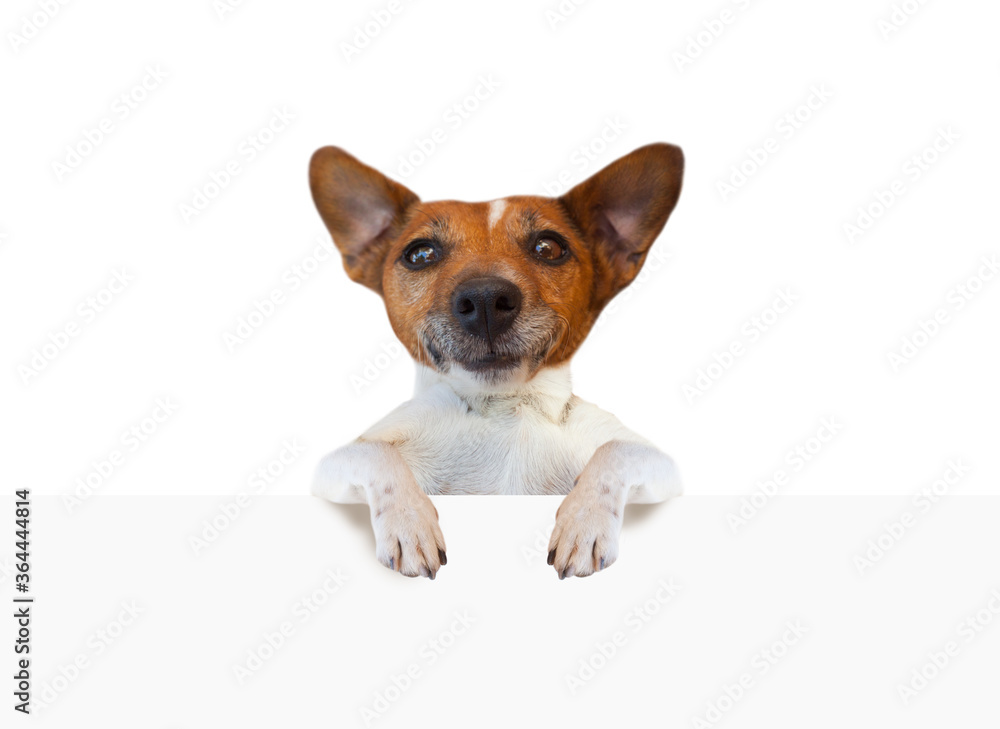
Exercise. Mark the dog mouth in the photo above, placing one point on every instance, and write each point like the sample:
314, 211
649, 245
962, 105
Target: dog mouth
474, 362
486, 363
491, 362
526, 345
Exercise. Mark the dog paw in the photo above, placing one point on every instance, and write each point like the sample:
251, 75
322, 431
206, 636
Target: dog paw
408, 538
585, 537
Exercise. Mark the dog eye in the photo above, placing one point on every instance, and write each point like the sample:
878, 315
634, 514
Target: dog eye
420, 253
549, 249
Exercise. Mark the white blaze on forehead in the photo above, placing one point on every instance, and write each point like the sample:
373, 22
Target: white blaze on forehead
497, 210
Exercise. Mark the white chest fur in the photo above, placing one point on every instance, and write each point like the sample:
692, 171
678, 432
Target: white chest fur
461, 438
512, 447
457, 436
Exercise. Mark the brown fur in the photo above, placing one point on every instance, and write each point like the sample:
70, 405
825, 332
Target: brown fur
609, 222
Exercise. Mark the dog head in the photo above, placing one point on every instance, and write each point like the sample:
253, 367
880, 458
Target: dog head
499, 289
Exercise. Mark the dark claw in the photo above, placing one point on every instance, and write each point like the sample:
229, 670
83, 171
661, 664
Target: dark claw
552, 557
442, 556
392, 563
602, 564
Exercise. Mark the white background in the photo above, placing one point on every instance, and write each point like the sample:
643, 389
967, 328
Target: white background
312, 372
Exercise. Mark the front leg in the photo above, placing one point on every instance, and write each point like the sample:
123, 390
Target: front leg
407, 536
589, 520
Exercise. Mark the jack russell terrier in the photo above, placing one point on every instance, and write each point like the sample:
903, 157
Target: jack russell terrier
492, 300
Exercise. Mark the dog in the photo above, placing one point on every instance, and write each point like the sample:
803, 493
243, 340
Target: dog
492, 300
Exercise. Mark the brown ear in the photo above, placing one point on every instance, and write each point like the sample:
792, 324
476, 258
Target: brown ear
621, 210
362, 208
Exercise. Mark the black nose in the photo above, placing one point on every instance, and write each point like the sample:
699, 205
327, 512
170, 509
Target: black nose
486, 306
